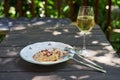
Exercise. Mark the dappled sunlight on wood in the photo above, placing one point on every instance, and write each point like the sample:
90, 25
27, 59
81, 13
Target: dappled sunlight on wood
108, 61
65, 30
79, 67
6, 61
78, 35
35, 31
58, 77
104, 43
95, 42
48, 30
38, 23
106, 57
56, 33
11, 53
20, 27
110, 49
73, 77
83, 77
50, 77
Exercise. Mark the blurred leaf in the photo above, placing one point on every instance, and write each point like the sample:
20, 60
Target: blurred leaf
66, 8
51, 2
12, 10
40, 4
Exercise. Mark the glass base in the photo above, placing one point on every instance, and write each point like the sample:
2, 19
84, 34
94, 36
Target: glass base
85, 53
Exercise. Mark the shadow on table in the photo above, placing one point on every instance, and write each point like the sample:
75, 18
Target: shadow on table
60, 31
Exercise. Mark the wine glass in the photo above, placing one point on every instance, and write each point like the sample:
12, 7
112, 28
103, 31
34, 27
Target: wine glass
85, 23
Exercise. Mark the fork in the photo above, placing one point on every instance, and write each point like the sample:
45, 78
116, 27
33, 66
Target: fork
94, 65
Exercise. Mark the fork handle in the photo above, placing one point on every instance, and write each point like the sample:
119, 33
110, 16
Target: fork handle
88, 65
82, 57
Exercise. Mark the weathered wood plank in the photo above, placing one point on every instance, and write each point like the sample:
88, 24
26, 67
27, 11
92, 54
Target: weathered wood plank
54, 75
62, 29
13, 40
18, 65
12, 67
40, 33
6, 52
54, 25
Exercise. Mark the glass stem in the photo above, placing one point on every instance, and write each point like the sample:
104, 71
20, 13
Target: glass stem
84, 44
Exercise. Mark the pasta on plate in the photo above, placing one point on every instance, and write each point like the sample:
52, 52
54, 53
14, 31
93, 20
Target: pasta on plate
49, 55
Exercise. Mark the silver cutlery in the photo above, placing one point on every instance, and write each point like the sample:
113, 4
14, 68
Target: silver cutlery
91, 65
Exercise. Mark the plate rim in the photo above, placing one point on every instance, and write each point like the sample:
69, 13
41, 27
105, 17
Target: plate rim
44, 63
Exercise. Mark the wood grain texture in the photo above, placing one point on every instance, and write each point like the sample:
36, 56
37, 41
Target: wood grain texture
12, 67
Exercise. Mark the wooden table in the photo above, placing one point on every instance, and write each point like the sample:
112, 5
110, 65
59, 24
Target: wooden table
12, 67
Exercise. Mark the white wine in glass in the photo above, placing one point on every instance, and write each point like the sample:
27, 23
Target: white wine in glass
85, 23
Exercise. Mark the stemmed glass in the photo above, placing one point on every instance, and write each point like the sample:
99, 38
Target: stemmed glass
85, 23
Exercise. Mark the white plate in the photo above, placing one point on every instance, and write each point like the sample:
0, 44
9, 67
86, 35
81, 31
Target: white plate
27, 52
